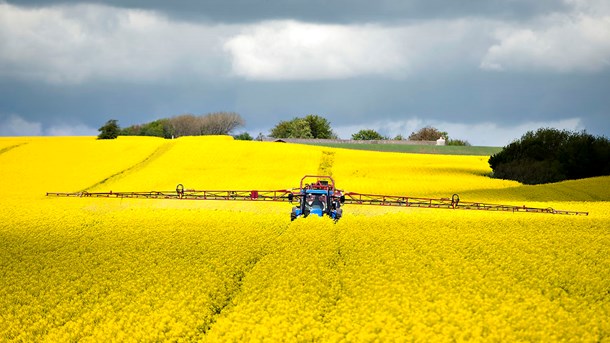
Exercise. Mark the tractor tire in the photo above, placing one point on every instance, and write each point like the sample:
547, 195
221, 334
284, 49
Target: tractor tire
293, 214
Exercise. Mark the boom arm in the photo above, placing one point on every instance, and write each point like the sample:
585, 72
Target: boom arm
325, 183
448, 203
191, 194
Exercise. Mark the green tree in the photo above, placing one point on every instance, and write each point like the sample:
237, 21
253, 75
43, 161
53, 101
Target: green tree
367, 135
283, 129
320, 127
301, 129
133, 130
244, 136
157, 128
110, 130
310, 126
296, 128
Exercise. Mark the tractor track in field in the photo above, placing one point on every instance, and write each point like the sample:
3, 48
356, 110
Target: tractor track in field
153, 156
11, 147
219, 308
239, 276
338, 263
326, 163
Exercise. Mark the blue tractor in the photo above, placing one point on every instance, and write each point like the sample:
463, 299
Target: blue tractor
319, 198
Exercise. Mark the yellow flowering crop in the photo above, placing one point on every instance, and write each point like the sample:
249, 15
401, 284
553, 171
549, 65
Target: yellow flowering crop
96, 269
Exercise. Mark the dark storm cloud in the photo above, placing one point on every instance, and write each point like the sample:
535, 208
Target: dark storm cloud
338, 11
463, 98
93, 104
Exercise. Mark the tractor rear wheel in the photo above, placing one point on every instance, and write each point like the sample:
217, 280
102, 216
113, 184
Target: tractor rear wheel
293, 214
338, 214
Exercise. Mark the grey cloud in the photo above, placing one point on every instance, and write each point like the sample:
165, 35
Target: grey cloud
339, 11
73, 44
14, 125
76, 44
562, 43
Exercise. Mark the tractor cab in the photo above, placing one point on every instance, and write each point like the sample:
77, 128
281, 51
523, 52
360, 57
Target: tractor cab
315, 202
319, 198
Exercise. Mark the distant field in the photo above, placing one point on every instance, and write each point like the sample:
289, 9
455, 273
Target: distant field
419, 149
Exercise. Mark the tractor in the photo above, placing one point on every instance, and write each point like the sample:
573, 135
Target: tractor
319, 198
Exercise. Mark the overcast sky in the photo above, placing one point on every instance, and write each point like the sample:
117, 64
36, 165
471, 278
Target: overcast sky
485, 71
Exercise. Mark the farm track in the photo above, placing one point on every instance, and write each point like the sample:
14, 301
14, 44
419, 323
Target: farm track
326, 163
11, 147
221, 308
338, 263
160, 151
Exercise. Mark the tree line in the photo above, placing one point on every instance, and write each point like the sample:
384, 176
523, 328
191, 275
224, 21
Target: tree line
217, 123
316, 127
310, 126
427, 133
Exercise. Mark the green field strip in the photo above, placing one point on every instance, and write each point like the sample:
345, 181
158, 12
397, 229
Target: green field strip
416, 149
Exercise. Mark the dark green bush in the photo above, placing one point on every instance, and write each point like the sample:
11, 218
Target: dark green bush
457, 142
551, 155
367, 135
244, 136
110, 130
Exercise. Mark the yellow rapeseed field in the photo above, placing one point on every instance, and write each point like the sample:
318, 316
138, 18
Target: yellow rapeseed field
97, 269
